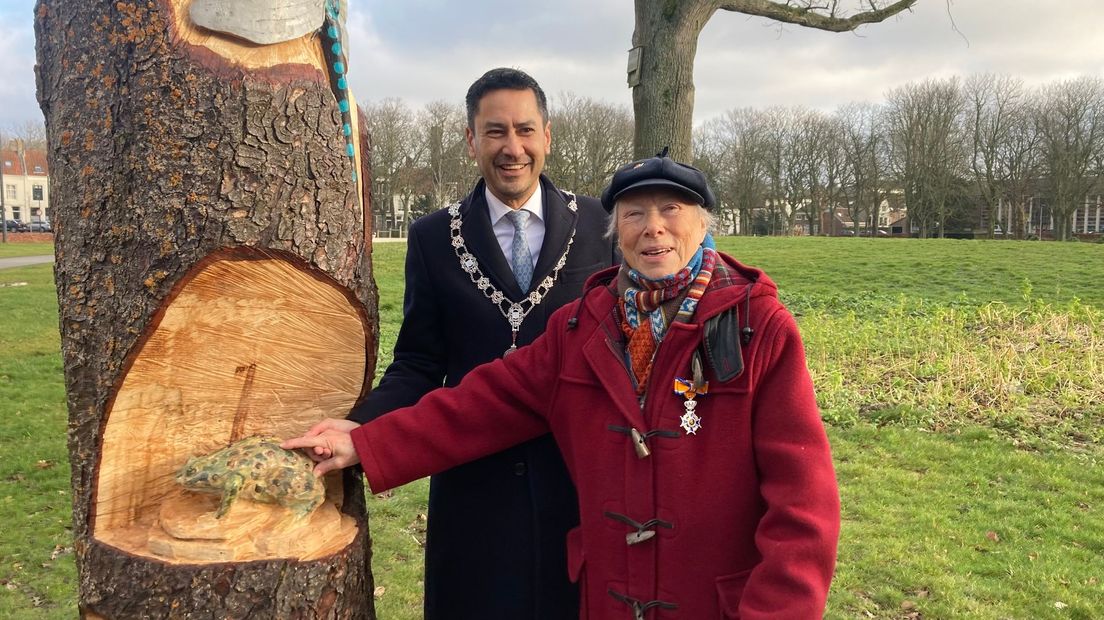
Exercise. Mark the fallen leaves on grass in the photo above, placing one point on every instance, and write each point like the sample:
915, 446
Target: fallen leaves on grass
36, 598
909, 611
417, 529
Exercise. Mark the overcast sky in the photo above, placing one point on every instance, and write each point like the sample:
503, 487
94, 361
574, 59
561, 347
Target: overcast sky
422, 50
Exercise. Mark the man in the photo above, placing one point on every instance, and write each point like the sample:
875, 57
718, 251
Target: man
478, 286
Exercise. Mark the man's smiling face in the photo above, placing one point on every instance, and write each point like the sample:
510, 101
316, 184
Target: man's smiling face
508, 140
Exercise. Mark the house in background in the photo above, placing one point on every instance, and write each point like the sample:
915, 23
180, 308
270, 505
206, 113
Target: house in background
897, 224
1030, 216
26, 183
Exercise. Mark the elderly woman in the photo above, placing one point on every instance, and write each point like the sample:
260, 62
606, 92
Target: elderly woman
677, 391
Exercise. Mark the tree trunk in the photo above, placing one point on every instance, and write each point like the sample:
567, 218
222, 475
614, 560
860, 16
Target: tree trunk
214, 280
663, 100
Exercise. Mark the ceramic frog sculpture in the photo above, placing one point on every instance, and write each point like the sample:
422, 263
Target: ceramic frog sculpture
255, 468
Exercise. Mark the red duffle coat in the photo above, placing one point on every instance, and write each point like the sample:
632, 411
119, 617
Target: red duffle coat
739, 520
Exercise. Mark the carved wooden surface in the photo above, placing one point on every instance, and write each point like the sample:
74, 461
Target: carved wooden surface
245, 345
187, 531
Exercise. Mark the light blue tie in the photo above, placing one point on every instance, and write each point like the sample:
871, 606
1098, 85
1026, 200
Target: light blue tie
521, 260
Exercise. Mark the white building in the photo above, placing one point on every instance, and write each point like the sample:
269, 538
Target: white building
26, 184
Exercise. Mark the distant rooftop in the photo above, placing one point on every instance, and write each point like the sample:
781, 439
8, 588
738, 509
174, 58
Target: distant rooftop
35, 160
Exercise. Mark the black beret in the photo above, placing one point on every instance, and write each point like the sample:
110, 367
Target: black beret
659, 171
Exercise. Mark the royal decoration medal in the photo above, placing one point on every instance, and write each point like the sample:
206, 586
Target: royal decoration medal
690, 421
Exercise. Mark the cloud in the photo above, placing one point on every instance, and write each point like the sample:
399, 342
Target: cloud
746, 61
425, 50
439, 54
17, 61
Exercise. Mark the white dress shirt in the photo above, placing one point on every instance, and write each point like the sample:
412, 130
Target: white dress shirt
504, 228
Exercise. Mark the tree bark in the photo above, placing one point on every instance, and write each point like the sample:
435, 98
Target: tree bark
170, 152
663, 101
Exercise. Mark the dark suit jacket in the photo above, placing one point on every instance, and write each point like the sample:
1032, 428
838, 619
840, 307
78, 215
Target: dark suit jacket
497, 526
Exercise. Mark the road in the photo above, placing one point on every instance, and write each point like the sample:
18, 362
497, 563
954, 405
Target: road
23, 261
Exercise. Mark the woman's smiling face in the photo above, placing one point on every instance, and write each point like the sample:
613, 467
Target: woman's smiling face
658, 231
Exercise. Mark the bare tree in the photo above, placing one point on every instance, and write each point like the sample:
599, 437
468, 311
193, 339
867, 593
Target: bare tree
992, 103
590, 139
986, 151
802, 139
821, 167
711, 158
446, 152
736, 142
396, 152
866, 161
31, 133
1020, 159
665, 42
924, 126
1070, 122
773, 152
829, 175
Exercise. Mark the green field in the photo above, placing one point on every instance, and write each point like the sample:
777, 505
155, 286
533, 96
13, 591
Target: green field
960, 381
11, 249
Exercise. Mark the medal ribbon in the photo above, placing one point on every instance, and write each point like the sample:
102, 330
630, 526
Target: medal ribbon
688, 390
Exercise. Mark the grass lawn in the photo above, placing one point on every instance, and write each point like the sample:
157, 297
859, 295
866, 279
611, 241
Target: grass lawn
960, 381
934, 270
10, 249
964, 524
36, 561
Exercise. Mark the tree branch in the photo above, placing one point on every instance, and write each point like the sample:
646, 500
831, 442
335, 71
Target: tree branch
806, 16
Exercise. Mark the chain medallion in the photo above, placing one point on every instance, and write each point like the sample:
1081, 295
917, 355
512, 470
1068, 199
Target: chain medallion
513, 311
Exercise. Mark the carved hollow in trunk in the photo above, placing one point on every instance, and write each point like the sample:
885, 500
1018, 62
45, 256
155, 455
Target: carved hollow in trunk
249, 343
302, 50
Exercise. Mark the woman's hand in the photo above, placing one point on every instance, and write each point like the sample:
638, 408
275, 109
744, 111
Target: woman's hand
327, 443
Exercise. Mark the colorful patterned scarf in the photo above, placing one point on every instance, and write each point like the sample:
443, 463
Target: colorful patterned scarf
645, 323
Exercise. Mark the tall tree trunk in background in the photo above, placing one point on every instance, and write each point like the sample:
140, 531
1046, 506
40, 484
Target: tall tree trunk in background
213, 269
665, 42
663, 102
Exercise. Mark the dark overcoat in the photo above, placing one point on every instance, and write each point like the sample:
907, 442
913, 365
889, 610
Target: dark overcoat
738, 520
496, 525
